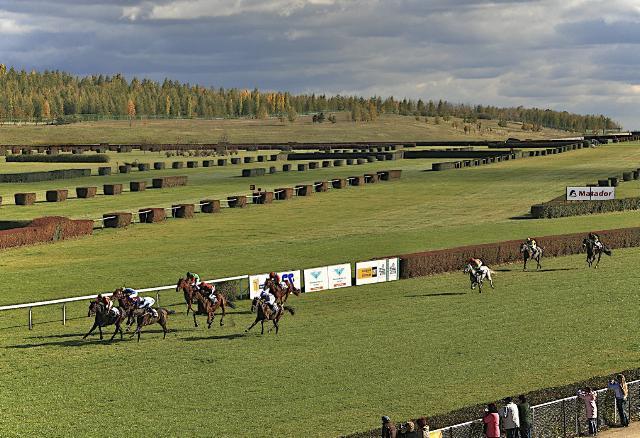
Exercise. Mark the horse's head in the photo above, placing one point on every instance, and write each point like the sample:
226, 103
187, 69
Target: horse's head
183, 284
586, 242
93, 305
524, 248
254, 304
467, 268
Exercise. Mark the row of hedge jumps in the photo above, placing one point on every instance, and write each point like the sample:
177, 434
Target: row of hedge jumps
208, 206
311, 165
60, 195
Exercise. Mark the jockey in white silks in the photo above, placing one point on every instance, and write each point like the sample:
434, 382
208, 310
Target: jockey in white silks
596, 240
146, 304
270, 299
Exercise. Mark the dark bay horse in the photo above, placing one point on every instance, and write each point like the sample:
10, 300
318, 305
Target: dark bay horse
144, 318
105, 318
126, 303
206, 307
264, 313
594, 253
529, 253
281, 293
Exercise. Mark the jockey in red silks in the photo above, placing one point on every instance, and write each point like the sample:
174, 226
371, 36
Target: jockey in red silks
210, 291
475, 263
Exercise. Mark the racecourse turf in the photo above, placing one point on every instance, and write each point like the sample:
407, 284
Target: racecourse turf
408, 348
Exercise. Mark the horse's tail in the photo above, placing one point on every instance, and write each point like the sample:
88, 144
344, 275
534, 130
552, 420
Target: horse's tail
230, 304
290, 309
607, 251
169, 311
491, 271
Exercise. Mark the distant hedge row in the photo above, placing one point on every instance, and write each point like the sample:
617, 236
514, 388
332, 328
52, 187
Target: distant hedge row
578, 208
45, 229
43, 176
79, 158
452, 259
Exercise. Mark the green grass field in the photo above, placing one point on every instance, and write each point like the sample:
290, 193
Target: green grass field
385, 128
408, 348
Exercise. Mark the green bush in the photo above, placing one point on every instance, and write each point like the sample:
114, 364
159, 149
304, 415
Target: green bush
99, 158
580, 208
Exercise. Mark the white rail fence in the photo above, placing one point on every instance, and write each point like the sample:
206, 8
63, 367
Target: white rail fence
64, 301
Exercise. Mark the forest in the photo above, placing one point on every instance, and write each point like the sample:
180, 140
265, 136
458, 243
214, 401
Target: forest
59, 97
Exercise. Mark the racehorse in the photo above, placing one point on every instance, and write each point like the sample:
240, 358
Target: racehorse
478, 275
144, 318
280, 292
126, 303
206, 307
594, 253
264, 313
529, 253
105, 318
189, 292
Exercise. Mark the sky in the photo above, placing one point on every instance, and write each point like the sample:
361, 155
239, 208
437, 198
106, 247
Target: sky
576, 55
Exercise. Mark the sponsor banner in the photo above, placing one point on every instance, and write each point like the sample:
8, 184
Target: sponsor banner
256, 282
316, 279
590, 193
393, 269
339, 276
373, 271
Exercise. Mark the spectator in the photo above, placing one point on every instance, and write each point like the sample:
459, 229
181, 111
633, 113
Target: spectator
524, 415
590, 398
408, 430
510, 418
619, 386
388, 428
491, 421
423, 428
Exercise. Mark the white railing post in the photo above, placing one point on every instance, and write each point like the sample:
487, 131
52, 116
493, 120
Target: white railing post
30, 319
64, 314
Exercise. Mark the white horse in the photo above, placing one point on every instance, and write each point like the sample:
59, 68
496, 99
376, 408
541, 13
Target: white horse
478, 275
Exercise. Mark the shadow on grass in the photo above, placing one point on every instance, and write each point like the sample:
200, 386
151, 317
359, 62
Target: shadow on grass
78, 342
522, 217
214, 337
437, 294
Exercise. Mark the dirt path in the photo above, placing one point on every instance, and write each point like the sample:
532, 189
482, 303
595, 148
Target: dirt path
633, 431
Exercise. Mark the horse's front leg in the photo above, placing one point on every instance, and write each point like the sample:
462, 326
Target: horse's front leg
223, 314
262, 331
95, 324
525, 264
251, 326
598, 261
100, 329
210, 317
116, 332
195, 322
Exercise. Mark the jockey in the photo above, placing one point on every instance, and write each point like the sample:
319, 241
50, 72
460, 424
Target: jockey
531, 243
132, 294
475, 263
108, 305
596, 240
193, 279
269, 299
210, 291
146, 303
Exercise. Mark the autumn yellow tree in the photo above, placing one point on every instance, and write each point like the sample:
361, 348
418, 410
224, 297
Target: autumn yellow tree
46, 110
131, 111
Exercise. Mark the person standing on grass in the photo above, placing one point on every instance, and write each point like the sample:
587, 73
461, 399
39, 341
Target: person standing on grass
388, 428
619, 387
524, 415
491, 421
510, 418
423, 428
590, 398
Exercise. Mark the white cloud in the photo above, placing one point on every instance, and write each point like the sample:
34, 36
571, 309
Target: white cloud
11, 24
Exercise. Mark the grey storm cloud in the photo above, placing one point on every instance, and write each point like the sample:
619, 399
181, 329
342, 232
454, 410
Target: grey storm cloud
578, 55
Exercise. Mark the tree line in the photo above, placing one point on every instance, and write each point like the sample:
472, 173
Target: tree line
55, 96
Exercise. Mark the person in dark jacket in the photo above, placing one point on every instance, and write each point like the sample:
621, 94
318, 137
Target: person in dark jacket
388, 428
524, 412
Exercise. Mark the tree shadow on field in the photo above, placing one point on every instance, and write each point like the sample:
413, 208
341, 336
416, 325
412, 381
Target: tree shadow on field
437, 294
214, 337
522, 217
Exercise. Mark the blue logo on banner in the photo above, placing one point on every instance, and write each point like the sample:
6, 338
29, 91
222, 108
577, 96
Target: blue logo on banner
338, 271
316, 274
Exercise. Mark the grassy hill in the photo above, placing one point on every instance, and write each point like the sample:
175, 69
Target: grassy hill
386, 128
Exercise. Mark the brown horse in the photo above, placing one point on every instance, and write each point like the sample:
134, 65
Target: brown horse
206, 307
104, 318
144, 318
281, 293
264, 313
126, 303
189, 293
